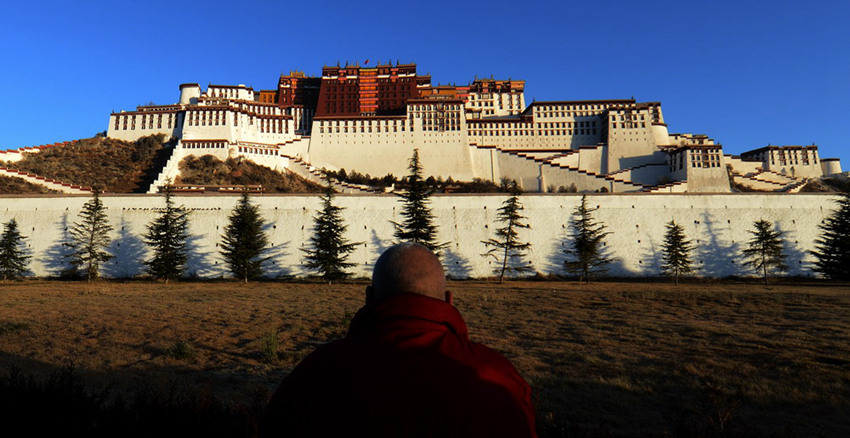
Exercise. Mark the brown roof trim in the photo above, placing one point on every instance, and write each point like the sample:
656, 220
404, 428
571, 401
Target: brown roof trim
779, 148
572, 102
389, 117
125, 113
421, 100
230, 86
675, 148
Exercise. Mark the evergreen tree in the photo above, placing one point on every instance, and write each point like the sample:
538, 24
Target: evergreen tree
677, 252
13, 260
90, 238
832, 248
507, 248
764, 250
329, 249
586, 246
244, 240
418, 221
167, 236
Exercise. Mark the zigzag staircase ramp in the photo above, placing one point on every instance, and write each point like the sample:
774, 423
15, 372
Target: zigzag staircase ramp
50, 183
568, 161
767, 180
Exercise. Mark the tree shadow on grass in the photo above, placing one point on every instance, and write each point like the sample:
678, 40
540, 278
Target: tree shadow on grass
164, 401
665, 402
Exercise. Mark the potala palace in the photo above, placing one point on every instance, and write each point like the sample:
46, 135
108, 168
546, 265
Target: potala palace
370, 119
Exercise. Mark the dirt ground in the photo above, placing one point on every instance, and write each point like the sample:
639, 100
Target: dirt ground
626, 359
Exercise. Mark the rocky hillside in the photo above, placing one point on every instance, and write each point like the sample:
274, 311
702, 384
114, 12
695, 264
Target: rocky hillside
10, 185
113, 166
208, 170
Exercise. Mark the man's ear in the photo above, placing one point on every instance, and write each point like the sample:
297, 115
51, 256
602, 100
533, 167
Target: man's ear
370, 294
449, 297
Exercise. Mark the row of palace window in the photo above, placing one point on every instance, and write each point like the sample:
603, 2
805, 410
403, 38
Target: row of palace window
589, 106
274, 126
629, 125
333, 126
229, 93
442, 122
791, 157
204, 144
147, 121
267, 110
540, 132
512, 100
219, 118
415, 108
578, 124
257, 151
627, 117
710, 159
548, 114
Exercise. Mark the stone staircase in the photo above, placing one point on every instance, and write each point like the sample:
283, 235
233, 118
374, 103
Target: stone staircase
306, 170
766, 180
672, 187
169, 171
555, 159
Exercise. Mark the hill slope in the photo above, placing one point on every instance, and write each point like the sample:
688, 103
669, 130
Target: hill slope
112, 165
9, 185
208, 170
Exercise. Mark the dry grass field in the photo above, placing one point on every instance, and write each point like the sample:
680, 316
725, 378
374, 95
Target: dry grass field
604, 359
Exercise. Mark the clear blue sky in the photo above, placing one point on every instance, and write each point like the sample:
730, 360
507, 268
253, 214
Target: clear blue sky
745, 73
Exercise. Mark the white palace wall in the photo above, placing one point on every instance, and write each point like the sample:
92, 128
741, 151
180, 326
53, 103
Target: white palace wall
717, 224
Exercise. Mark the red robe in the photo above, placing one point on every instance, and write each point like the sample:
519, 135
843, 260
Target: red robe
406, 369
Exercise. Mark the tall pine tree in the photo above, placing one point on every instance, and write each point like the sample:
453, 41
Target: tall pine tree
417, 223
329, 249
832, 248
507, 249
677, 252
90, 238
764, 251
13, 260
244, 241
586, 247
167, 236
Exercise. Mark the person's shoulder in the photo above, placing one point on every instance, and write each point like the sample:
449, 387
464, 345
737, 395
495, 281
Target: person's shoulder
489, 359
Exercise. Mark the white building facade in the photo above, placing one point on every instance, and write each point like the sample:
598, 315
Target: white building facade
483, 130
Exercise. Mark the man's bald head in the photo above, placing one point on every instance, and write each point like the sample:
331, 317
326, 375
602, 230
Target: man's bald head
408, 268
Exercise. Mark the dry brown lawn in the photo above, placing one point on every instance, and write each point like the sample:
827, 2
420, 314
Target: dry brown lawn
626, 359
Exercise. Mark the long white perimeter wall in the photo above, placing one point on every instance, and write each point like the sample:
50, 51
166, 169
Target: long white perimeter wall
717, 224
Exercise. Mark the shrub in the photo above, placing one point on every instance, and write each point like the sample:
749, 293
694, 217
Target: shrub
269, 347
182, 350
